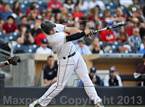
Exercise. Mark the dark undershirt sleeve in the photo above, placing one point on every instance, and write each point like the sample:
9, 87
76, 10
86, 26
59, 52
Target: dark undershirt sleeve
75, 36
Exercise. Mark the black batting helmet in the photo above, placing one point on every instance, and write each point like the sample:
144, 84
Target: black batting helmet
46, 26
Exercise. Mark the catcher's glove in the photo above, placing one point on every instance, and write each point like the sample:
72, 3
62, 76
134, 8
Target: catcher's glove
14, 60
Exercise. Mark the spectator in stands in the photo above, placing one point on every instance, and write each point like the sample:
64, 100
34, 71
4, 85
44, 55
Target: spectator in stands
1, 24
142, 30
122, 36
59, 18
93, 15
97, 14
95, 47
69, 5
6, 11
55, 6
142, 47
25, 37
92, 4
135, 40
50, 71
43, 49
32, 12
35, 26
137, 3
108, 18
1, 6
77, 14
47, 14
39, 36
135, 13
1, 9
93, 18
82, 48
10, 25
16, 8
23, 21
119, 15
83, 5
129, 28
101, 4
115, 4
124, 48
107, 36
113, 79
140, 71
126, 3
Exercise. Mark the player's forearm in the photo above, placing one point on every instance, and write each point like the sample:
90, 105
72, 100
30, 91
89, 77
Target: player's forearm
75, 36
71, 30
78, 35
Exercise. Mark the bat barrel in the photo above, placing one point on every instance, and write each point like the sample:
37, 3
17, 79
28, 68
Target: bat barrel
111, 27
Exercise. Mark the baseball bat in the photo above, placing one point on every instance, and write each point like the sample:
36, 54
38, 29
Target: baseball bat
117, 25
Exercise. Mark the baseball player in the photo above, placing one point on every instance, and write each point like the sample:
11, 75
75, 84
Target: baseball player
11, 60
69, 61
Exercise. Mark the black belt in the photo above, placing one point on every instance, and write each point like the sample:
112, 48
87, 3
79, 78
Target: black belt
70, 55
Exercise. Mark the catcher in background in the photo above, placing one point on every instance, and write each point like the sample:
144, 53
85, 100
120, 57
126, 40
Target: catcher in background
11, 60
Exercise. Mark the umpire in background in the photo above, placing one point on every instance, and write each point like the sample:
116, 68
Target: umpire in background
50, 71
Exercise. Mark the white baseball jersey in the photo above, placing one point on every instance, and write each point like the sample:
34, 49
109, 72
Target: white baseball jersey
66, 66
58, 42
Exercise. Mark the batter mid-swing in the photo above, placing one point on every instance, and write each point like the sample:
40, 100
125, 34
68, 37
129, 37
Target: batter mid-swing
69, 61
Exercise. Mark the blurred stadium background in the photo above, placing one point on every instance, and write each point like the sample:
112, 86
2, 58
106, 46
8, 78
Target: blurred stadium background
118, 52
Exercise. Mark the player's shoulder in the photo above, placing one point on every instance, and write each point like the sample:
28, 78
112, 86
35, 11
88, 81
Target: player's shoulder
57, 36
59, 28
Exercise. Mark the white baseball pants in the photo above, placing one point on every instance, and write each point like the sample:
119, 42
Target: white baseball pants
65, 69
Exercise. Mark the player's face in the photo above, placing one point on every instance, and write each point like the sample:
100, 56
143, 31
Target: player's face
52, 32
